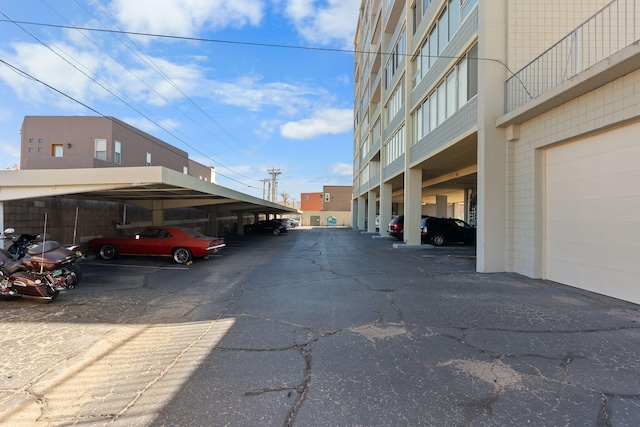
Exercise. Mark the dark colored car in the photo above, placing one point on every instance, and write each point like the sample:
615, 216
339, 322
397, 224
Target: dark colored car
269, 226
181, 244
436, 231
439, 231
396, 226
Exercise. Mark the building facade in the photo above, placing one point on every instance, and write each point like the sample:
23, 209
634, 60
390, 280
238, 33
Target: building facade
331, 207
72, 142
515, 115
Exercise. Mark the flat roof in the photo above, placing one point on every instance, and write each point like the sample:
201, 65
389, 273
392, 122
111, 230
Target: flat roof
151, 187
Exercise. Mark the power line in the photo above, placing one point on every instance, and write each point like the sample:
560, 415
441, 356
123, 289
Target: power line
117, 97
139, 133
273, 45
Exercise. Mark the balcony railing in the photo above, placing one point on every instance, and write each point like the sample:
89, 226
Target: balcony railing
608, 31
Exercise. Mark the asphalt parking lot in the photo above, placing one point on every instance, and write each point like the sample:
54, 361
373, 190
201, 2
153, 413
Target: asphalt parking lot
322, 326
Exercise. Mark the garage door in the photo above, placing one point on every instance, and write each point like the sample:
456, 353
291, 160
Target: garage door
592, 212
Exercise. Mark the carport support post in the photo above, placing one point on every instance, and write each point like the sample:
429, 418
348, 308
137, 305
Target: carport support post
240, 224
385, 207
157, 213
362, 201
412, 206
371, 211
213, 222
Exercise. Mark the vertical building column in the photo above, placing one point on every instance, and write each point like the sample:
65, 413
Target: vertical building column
412, 206
362, 201
492, 150
371, 211
385, 207
441, 206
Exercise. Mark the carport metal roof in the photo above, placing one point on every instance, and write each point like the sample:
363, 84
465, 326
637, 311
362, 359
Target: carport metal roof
151, 187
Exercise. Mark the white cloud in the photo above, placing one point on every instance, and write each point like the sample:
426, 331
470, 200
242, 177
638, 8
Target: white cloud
342, 169
325, 21
251, 93
329, 121
186, 17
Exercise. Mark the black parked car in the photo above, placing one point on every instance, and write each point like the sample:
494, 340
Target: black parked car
270, 226
439, 231
436, 231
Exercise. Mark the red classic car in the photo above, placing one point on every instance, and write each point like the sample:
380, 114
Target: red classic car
182, 244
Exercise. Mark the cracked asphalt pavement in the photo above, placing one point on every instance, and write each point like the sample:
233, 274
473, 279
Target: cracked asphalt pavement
318, 327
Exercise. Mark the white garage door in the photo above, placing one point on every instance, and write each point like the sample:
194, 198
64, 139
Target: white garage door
592, 213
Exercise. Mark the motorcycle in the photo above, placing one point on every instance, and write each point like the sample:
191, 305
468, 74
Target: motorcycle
18, 248
16, 281
47, 257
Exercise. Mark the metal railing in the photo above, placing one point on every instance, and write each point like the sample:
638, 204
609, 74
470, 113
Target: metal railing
608, 31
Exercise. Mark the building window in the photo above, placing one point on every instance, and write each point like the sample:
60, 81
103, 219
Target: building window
31, 140
395, 147
395, 57
451, 94
306, 197
396, 101
185, 170
40, 150
40, 140
31, 150
327, 197
56, 150
100, 151
148, 159
117, 152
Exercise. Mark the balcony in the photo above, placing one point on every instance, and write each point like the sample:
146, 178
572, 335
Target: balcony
603, 36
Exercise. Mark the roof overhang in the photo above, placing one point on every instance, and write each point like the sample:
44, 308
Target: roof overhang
151, 187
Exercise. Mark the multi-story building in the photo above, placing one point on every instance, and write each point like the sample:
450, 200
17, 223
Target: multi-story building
330, 207
520, 116
72, 142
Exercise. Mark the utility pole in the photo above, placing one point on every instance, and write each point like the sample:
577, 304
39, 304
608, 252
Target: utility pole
264, 187
274, 183
285, 198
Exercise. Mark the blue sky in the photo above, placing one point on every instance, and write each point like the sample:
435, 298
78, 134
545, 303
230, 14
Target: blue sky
232, 103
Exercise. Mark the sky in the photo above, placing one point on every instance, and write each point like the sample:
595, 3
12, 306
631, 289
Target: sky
245, 86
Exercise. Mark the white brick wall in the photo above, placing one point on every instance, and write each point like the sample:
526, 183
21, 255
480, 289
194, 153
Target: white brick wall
613, 104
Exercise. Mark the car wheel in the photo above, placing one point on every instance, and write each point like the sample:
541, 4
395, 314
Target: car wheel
438, 240
276, 231
181, 255
108, 252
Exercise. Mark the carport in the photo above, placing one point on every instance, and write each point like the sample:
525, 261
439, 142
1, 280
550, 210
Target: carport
152, 187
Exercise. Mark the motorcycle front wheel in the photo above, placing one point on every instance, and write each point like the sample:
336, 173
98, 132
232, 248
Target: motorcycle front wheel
77, 270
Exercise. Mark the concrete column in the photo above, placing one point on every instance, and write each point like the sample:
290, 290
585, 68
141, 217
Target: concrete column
240, 223
441, 206
385, 207
213, 222
371, 211
157, 213
492, 149
362, 210
412, 206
